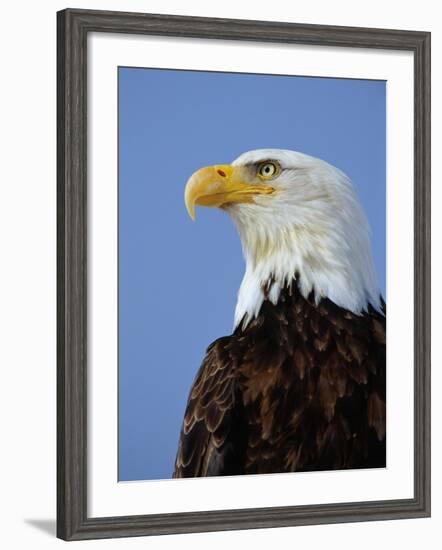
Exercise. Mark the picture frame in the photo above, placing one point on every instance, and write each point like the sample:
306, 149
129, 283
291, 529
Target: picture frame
73, 28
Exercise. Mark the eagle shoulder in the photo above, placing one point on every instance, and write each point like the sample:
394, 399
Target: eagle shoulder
210, 442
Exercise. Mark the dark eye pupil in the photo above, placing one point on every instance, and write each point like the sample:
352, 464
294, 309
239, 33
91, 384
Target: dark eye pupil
267, 170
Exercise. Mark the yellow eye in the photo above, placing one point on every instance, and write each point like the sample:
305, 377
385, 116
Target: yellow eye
267, 170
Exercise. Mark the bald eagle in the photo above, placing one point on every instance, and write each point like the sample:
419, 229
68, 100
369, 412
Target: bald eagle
300, 383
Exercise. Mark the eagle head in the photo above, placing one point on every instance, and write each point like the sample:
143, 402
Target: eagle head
299, 219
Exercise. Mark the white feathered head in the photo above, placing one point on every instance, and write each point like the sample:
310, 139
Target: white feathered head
299, 218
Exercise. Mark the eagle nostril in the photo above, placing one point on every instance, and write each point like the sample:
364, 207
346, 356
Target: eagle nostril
221, 173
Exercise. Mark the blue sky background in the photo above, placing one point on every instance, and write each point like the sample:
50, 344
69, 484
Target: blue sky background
178, 280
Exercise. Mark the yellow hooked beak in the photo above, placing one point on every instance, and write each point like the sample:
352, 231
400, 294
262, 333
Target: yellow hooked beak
219, 185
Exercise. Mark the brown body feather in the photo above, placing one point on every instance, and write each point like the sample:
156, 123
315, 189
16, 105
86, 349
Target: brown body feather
301, 388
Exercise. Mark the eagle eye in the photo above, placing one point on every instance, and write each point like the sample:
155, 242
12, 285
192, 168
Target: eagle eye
267, 170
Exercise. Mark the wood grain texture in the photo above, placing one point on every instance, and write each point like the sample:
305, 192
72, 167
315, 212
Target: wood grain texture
71, 279
72, 29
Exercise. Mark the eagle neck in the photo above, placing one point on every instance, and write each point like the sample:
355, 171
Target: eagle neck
320, 269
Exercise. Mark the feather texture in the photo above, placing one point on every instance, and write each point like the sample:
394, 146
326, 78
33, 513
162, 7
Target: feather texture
301, 388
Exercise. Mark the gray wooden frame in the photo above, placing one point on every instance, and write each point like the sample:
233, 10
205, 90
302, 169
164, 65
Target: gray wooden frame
73, 28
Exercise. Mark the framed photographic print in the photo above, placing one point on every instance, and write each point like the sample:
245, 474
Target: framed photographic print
243, 274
